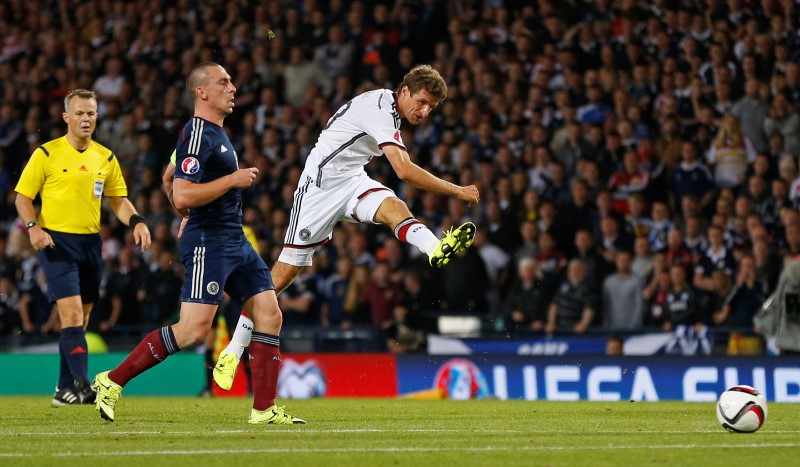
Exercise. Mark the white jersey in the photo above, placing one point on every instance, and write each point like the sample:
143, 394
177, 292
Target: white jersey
354, 135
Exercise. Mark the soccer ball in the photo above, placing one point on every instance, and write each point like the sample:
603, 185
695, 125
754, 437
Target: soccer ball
742, 409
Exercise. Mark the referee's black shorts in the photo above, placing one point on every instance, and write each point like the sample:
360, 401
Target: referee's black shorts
74, 266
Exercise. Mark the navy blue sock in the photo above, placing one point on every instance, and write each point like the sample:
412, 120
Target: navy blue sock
75, 350
65, 379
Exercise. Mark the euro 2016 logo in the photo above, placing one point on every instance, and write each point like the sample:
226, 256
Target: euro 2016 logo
190, 165
460, 379
301, 380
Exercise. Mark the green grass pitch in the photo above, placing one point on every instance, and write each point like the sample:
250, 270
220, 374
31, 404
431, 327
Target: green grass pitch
377, 432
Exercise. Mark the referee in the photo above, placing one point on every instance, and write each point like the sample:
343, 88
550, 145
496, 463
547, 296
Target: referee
71, 174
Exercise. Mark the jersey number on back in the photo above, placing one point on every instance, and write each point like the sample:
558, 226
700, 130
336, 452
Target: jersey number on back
338, 114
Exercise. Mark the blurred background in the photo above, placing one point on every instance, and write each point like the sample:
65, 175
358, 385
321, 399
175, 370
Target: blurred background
637, 162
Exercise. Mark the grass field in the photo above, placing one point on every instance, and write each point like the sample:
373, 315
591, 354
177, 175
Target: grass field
201, 432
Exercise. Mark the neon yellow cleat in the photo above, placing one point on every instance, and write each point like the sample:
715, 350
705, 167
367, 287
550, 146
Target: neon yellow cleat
225, 369
273, 416
108, 393
454, 242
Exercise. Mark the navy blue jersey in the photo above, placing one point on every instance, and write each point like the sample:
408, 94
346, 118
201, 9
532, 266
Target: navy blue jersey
203, 154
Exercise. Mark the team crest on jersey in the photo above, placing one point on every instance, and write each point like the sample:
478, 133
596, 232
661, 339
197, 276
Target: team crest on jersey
305, 234
190, 165
213, 288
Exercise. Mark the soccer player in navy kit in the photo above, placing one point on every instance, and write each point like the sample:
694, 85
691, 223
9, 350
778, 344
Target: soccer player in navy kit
215, 253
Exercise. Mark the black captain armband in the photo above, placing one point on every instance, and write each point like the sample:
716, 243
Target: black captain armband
135, 219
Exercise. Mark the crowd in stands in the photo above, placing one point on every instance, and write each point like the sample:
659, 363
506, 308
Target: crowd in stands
637, 159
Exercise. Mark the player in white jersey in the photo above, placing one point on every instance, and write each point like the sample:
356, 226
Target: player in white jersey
334, 186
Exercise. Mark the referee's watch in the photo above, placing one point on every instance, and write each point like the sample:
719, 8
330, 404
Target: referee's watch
31, 224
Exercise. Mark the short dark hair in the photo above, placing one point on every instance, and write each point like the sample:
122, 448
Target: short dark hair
197, 76
425, 77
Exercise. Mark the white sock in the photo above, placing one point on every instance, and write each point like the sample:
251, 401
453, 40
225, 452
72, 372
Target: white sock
241, 336
416, 233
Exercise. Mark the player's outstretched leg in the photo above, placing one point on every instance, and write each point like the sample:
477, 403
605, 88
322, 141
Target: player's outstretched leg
228, 360
108, 393
454, 242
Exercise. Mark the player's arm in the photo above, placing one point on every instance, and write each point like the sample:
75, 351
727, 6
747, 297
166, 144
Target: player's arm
410, 172
125, 212
167, 179
187, 194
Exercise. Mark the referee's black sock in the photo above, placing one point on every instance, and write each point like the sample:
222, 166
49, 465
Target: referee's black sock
76, 352
65, 379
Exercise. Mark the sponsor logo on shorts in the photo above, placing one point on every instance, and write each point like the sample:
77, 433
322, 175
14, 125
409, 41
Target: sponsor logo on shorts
305, 234
190, 165
213, 288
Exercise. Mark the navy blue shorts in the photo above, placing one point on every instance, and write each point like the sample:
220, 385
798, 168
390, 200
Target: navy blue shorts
73, 266
235, 268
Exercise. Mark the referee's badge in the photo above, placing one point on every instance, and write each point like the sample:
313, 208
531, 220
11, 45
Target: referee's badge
98, 188
213, 288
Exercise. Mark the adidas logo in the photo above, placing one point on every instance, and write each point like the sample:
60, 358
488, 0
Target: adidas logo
223, 149
77, 350
83, 168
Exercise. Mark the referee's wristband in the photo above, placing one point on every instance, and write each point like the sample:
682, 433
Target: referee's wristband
135, 219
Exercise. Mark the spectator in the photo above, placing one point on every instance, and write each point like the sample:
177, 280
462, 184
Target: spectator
400, 336
782, 120
741, 302
751, 111
299, 73
730, 153
716, 257
629, 180
125, 289
381, 296
526, 303
691, 178
684, 305
614, 346
299, 303
496, 261
655, 296
573, 308
642, 258
623, 305
161, 294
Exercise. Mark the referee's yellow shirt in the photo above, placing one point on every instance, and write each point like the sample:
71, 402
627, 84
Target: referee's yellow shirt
71, 184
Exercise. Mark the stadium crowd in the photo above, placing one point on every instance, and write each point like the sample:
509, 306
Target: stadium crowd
637, 159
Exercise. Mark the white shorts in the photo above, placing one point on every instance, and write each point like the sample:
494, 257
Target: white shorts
316, 211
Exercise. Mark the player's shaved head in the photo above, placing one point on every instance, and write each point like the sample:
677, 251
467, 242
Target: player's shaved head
199, 76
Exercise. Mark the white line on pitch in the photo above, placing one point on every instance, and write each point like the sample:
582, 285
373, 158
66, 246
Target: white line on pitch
399, 449
217, 432
364, 430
